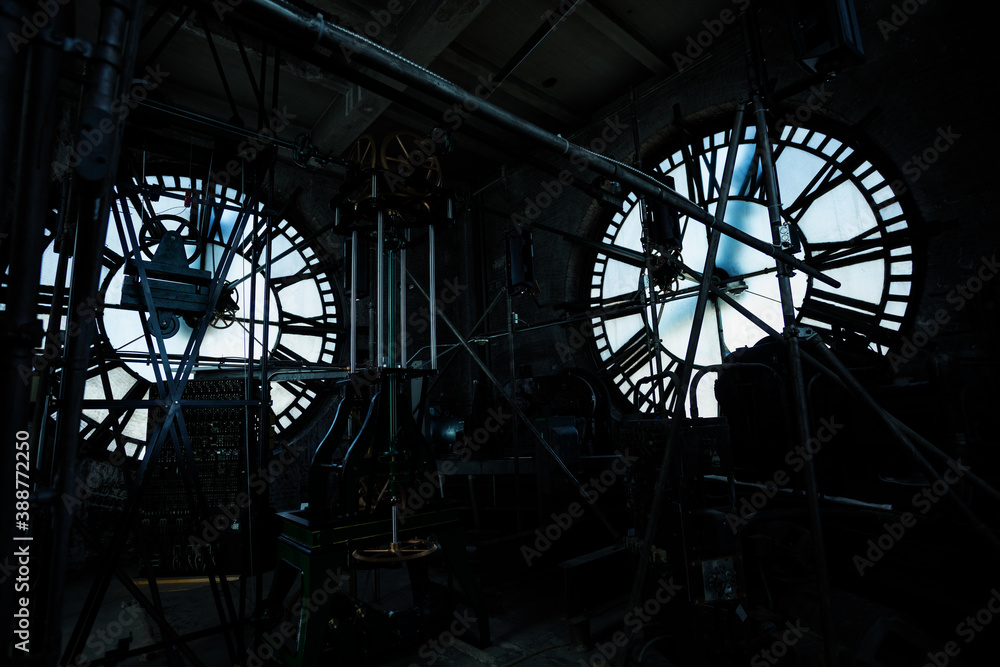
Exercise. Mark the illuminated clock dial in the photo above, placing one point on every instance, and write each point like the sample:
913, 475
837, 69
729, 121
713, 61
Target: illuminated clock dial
303, 305
851, 225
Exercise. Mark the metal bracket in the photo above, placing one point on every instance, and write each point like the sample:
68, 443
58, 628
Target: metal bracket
785, 235
71, 45
802, 333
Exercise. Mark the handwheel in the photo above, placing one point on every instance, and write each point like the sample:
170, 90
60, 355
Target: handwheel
362, 157
403, 153
226, 309
153, 229
362, 152
397, 552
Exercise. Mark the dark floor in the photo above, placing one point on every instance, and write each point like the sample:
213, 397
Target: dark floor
528, 622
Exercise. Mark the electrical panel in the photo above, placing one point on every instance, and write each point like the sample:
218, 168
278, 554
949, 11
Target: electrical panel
177, 537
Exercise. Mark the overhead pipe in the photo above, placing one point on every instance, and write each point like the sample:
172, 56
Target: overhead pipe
277, 16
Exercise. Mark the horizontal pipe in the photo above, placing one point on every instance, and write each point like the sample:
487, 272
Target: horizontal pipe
280, 17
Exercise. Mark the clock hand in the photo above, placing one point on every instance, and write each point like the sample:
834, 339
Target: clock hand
723, 350
304, 243
762, 296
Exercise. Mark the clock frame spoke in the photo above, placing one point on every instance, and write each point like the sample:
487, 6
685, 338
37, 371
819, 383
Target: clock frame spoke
832, 175
868, 246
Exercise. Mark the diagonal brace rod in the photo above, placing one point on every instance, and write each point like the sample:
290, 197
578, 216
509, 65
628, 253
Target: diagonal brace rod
517, 410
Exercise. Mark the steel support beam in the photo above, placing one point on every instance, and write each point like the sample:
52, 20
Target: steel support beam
683, 385
20, 331
113, 64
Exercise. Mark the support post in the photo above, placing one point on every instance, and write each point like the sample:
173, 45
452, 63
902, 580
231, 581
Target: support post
680, 397
800, 409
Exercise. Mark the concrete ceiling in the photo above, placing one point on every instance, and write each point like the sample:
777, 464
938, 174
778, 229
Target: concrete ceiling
558, 63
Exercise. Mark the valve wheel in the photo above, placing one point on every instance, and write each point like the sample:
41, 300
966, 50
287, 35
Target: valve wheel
363, 152
403, 154
153, 229
397, 552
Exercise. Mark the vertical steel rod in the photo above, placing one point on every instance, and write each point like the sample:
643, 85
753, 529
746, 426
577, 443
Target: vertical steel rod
432, 272
659, 491
515, 444
402, 304
354, 300
251, 444
520, 413
800, 408
117, 42
379, 281
649, 290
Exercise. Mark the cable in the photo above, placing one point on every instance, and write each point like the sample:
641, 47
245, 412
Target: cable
322, 28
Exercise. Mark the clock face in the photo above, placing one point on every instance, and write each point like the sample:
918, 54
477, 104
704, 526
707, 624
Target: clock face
302, 317
850, 223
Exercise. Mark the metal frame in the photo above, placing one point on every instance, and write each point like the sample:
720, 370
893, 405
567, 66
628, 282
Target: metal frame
316, 31
88, 193
793, 337
96, 176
